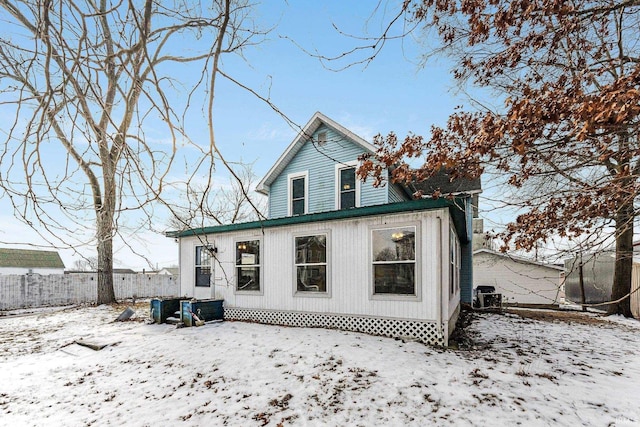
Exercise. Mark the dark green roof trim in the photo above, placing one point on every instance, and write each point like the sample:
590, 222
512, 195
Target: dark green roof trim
456, 206
28, 258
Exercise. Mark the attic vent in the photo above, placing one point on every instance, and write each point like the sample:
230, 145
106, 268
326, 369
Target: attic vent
322, 139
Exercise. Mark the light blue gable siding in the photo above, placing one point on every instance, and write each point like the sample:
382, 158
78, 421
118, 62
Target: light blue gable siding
319, 163
397, 194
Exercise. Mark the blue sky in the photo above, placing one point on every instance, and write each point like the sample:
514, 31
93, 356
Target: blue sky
391, 93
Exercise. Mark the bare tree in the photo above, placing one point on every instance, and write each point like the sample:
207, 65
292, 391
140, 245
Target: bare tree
229, 203
86, 264
569, 75
86, 88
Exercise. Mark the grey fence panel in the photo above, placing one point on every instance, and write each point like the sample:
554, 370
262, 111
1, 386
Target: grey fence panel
35, 290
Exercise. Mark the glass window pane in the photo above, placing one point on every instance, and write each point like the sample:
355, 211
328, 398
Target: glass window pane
248, 253
297, 207
394, 244
248, 278
203, 266
348, 200
347, 179
298, 188
312, 278
311, 249
203, 276
394, 279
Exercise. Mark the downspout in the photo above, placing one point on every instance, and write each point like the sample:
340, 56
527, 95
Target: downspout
180, 272
440, 276
212, 278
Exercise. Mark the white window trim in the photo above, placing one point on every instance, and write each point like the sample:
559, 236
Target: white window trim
418, 262
290, 179
259, 265
194, 247
302, 294
338, 167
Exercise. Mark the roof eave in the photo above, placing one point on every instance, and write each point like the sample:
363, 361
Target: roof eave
390, 208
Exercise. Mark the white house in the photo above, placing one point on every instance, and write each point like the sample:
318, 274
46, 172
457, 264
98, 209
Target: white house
519, 280
28, 261
337, 252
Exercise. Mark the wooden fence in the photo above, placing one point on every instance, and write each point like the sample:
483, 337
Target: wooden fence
635, 291
35, 290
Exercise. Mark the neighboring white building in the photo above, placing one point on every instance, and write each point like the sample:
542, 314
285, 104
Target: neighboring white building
27, 261
519, 280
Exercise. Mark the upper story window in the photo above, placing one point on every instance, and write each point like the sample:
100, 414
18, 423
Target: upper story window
394, 260
203, 266
347, 186
298, 194
248, 265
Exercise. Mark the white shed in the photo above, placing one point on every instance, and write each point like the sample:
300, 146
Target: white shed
519, 280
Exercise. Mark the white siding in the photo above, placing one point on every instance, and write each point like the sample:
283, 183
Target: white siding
349, 269
518, 281
35, 270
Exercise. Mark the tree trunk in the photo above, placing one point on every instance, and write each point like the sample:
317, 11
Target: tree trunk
624, 262
106, 293
105, 210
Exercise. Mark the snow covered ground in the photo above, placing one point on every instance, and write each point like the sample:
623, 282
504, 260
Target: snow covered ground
569, 371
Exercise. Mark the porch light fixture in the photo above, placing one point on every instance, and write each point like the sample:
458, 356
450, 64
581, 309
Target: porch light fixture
397, 236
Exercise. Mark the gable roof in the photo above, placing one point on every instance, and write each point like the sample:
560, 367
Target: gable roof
519, 260
28, 258
303, 136
442, 181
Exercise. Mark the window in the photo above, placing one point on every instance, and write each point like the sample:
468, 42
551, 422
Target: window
248, 265
311, 263
347, 186
203, 266
454, 263
394, 260
297, 194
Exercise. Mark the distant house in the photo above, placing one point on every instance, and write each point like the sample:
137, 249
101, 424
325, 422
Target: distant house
27, 261
338, 252
521, 281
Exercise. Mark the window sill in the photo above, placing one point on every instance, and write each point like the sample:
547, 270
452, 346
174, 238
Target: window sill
257, 293
395, 297
305, 294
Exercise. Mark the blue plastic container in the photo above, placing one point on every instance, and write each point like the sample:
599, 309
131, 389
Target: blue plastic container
161, 309
206, 310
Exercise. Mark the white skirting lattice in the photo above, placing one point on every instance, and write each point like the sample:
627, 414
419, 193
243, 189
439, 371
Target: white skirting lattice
426, 332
